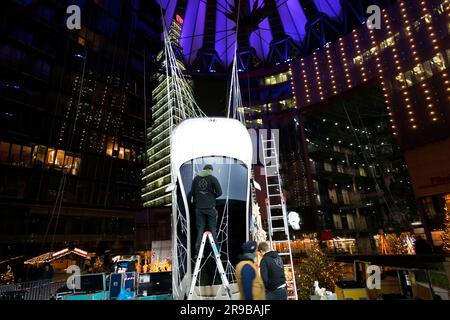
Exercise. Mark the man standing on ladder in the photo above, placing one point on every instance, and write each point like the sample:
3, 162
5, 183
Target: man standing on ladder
205, 190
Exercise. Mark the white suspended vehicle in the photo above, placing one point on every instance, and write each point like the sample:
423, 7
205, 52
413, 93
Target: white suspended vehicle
226, 145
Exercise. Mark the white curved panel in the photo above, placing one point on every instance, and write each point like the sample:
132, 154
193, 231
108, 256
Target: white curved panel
202, 137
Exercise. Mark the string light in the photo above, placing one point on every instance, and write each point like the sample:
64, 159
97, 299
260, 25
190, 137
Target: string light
330, 70
382, 78
305, 81
415, 56
319, 81
433, 39
293, 87
406, 97
345, 63
358, 51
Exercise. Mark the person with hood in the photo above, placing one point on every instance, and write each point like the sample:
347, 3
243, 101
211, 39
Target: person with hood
251, 286
272, 273
205, 190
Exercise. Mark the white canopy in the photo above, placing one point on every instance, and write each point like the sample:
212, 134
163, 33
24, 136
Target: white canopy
205, 137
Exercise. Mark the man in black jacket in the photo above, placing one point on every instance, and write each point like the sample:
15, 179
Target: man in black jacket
205, 189
272, 273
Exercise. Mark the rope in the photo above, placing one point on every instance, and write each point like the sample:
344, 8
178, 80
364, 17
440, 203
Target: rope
366, 160
60, 194
235, 105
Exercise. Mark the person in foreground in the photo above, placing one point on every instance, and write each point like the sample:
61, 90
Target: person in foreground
250, 284
272, 273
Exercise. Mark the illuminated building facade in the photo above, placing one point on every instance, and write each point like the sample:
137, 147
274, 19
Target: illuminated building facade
401, 71
342, 174
408, 58
157, 174
71, 123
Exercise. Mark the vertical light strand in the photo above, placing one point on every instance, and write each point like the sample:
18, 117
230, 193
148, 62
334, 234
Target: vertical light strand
318, 77
404, 88
434, 41
345, 64
379, 68
358, 52
293, 86
330, 69
305, 81
412, 44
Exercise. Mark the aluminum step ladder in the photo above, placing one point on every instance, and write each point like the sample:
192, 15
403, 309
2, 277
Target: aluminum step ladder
223, 276
277, 213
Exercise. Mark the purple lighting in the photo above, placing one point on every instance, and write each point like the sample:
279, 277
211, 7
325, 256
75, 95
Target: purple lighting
169, 6
293, 22
331, 8
260, 39
193, 28
225, 35
293, 19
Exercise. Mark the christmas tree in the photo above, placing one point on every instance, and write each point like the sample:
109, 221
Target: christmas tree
317, 267
398, 244
446, 234
99, 266
7, 277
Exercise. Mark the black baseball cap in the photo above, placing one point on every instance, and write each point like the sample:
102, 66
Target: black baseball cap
249, 247
208, 167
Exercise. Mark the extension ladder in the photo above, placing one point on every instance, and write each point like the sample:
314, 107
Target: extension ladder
225, 283
277, 213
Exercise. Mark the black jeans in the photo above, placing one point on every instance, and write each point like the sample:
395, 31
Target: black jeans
205, 218
278, 294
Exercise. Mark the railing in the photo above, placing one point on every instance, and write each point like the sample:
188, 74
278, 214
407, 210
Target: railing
36, 290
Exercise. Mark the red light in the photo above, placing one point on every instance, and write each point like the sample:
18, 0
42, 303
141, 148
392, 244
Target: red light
179, 19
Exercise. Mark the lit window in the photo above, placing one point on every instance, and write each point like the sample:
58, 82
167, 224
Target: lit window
374, 50
419, 72
428, 70
127, 154
337, 221
333, 195
59, 161
350, 221
389, 42
438, 62
51, 155
400, 80
362, 172
39, 155
68, 164
76, 166
409, 78
358, 60
276, 79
